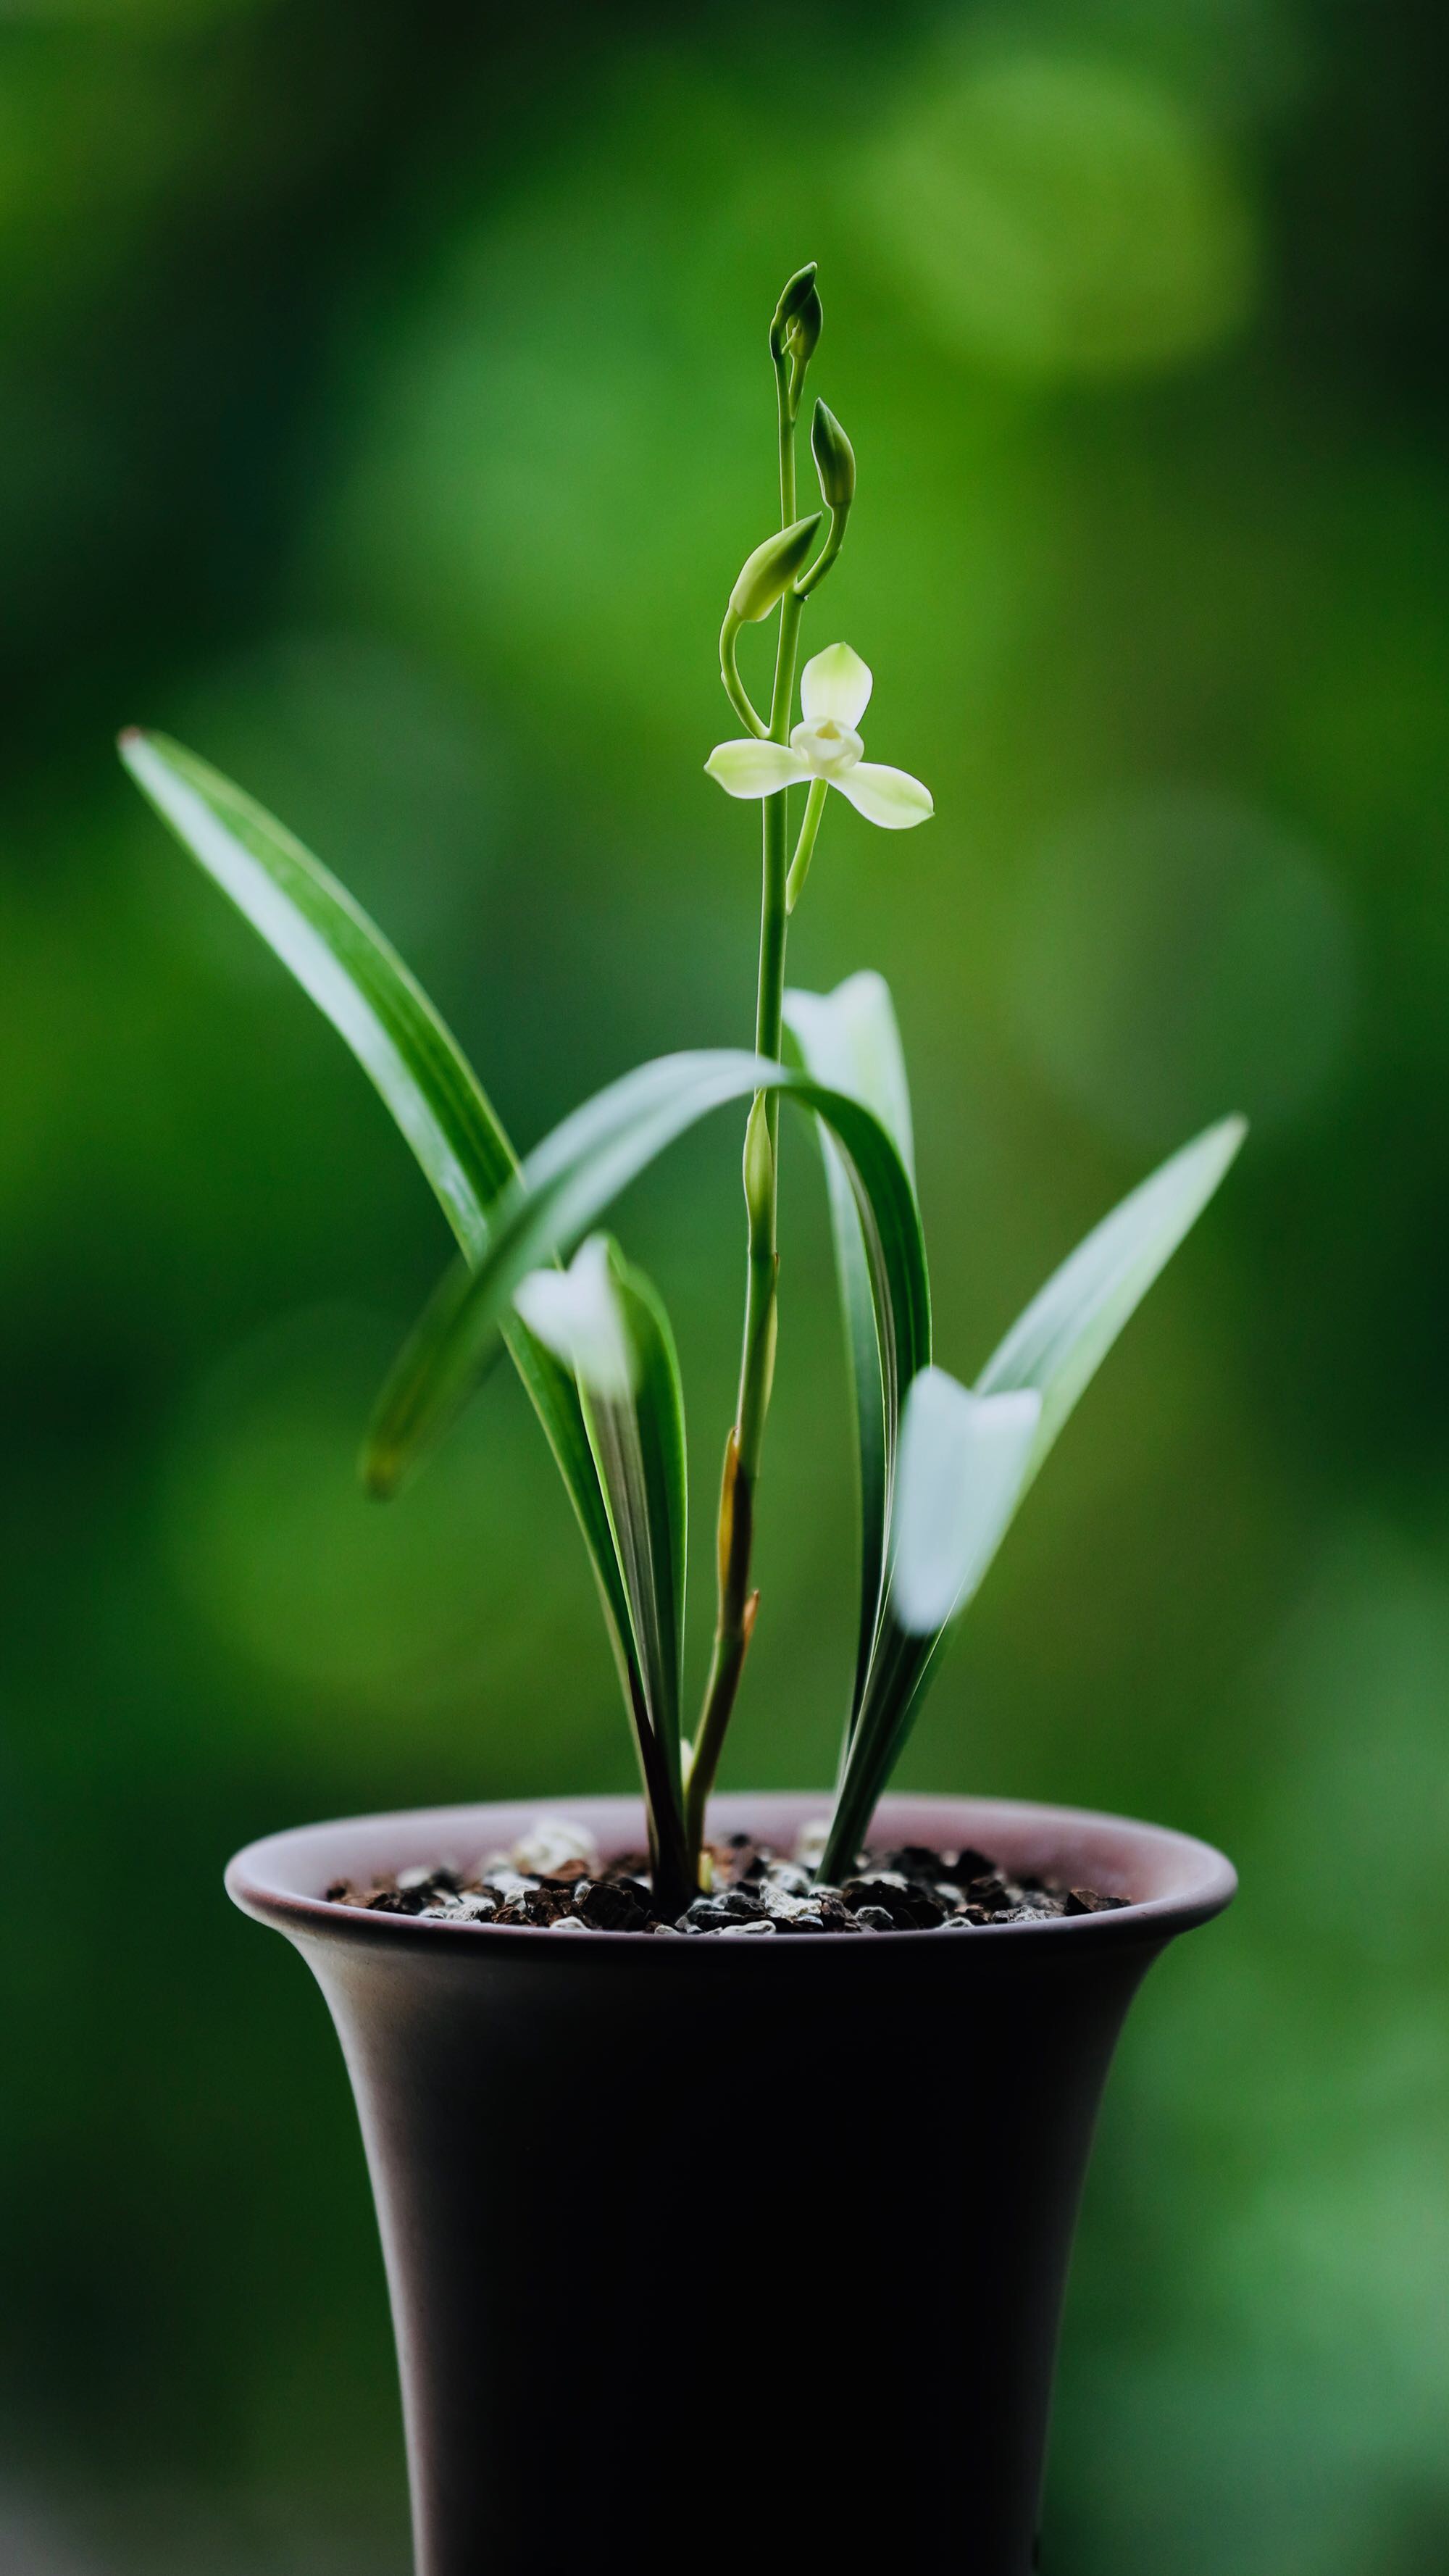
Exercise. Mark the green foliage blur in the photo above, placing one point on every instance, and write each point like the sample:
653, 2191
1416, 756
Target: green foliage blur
384, 409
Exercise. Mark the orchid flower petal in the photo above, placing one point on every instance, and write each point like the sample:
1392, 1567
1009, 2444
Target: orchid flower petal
890, 797
576, 1315
835, 683
755, 768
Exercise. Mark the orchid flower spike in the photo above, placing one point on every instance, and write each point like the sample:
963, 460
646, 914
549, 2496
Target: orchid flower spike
834, 694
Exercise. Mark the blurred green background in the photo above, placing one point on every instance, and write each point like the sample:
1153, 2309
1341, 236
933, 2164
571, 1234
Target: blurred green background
384, 410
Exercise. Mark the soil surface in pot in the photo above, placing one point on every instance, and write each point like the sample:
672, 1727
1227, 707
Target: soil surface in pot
555, 1880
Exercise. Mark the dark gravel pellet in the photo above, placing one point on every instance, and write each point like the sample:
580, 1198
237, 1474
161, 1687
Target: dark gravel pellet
753, 1891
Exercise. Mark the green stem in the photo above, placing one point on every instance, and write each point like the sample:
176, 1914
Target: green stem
811, 579
770, 998
757, 1361
731, 1641
787, 442
805, 846
734, 687
736, 1616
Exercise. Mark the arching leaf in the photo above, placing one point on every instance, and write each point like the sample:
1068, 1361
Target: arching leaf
849, 1040
342, 961
569, 1181
1052, 1351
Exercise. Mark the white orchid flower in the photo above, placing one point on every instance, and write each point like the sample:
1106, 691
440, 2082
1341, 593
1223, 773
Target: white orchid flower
834, 694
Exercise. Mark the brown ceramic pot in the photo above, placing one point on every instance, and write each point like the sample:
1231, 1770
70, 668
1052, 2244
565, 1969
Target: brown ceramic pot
703, 2253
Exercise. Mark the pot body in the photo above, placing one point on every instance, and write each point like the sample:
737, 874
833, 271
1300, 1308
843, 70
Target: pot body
703, 2248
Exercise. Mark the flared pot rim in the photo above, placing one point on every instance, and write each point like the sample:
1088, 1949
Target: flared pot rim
1171, 1881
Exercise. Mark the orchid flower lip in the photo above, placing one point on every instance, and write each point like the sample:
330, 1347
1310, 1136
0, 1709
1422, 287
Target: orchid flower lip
827, 748
835, 689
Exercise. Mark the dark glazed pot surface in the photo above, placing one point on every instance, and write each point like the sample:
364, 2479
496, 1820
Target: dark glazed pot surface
702, 2251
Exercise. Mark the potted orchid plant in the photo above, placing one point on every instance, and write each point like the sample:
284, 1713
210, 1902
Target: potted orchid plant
536, 2111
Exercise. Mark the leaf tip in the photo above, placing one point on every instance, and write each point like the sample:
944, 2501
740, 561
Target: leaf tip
1227, 1138
379, 1472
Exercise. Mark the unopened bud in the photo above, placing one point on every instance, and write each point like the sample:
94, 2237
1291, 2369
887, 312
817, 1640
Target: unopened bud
759, 1165
802, 336
793, 299
771, 569
804, 330
834, 461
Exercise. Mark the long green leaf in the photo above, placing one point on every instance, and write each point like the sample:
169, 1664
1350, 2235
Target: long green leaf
342, 961
639, 1448
1058, 1344
1053, 1350
963, 1463
573, 1177
607, 1323
849, 1040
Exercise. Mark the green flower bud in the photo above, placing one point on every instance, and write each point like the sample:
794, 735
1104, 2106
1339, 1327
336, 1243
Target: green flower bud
771, 569
759, 1166
801, 337
794, 297
834, 461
